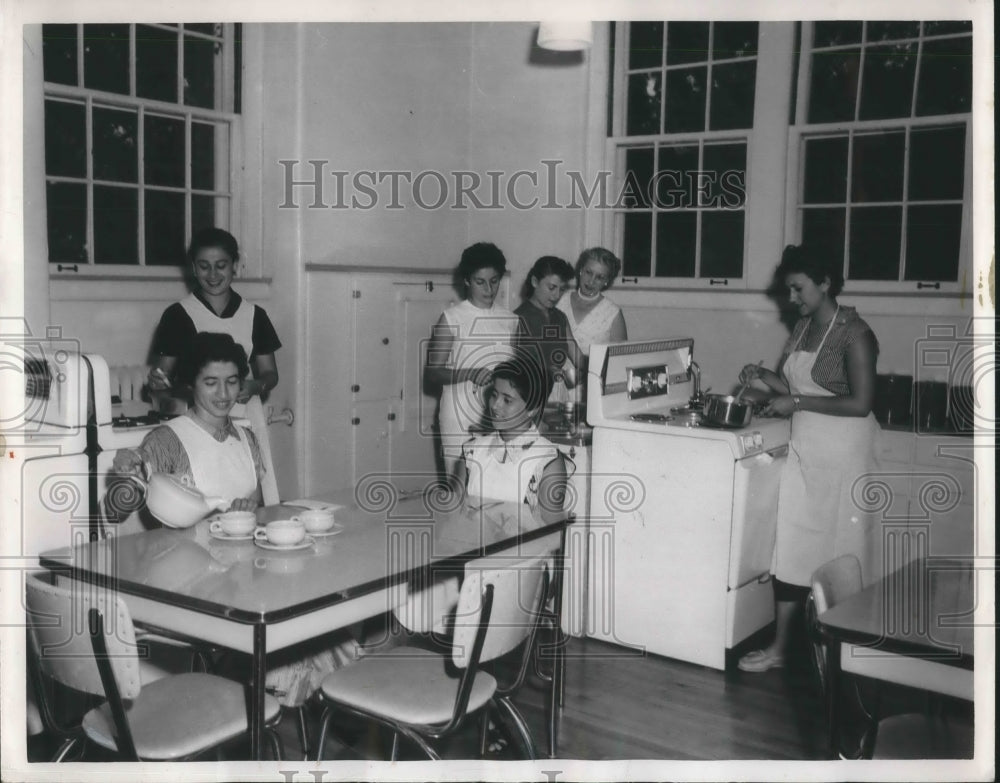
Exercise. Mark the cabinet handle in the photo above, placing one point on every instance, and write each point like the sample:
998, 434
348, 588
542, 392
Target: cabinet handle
935, 286
67, 268
429, 285
385, 341
630, 280
355, 421
355, 388
391, 417
713, 281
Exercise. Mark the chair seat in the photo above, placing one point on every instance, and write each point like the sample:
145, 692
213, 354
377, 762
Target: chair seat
416, 691
179, 716
919, 736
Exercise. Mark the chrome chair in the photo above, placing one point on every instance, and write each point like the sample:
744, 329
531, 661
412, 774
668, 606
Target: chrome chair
84, 639
425, 695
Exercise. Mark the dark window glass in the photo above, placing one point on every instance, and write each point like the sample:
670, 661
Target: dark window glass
677, 169
644, 97
164, 151
208, 28
156, 63
639, 167
937, 163
734, 39
199, 71
115, 147
726, 165
685, 100
722, 244
877, 170
164, 228
203, 155
944, 28
687, 42
826, 171
676, 244
824, 229
66, 216
65, 139
891, 31
933, 234
645, 45
887, 87
945, 84
116, 225
834, 86
836, 33
105, 57
876, 234
732, 95
59, 53
202, 212
637, 232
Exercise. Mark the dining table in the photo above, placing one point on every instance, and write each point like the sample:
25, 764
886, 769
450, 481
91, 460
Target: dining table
241, 596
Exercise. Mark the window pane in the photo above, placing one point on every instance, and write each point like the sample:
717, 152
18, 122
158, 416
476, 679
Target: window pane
59, 53
877, 170
887, 88
685, 100
676, 234
732, 95
891, 31
209, 28
727, 164
826, 171
156, 63
163, 153
164, 228
937, 163
824, 229
945, 77
677, 169
734, 39
933, 234
722, 244
644, 96
645, 45
201, 58
105, 57
115, 148
637, 230
203, 212
203, 149
875, 243
836, 33
116, 225
639, 170
65, 139
66, 216
834, 85
943, 28
687, 42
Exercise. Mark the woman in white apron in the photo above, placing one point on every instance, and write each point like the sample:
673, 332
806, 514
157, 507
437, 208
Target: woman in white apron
214, 307
827, 386
468, 341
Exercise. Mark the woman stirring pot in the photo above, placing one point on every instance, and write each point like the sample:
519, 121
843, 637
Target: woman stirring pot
827, 385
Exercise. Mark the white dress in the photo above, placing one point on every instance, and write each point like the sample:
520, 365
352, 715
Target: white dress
595, 326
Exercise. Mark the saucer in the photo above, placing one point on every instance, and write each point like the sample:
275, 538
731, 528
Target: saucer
324, 534
220, 536
303, 544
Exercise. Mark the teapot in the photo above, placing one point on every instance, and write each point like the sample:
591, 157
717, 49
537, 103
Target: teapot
175, 503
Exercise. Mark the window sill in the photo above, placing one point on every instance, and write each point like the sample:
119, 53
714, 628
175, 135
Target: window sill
139, 288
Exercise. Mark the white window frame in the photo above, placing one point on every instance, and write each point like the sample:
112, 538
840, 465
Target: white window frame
795, 179
237, 148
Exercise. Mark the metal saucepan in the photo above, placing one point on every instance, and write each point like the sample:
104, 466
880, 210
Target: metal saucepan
724, 410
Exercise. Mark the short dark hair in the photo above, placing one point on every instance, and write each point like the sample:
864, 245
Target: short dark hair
543, 267
605, 256
213, 237
480, 256
208, 347
816, 264
526, 374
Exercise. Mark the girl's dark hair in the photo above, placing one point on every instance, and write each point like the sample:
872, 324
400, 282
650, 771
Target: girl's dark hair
208, 347
606, 257
526, 374
545, 266
812, 262
480, 256
213, 237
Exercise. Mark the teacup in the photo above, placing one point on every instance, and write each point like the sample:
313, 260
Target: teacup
316, 520
234, 523
281, 532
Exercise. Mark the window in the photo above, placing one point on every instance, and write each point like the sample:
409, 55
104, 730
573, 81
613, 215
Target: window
140, 139
884, 148
682, 111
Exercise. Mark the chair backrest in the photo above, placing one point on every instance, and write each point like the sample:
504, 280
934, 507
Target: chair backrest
832, 582
517, 586
59, 621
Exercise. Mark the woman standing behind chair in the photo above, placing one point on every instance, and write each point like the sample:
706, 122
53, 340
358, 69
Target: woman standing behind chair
827, 385
468, 341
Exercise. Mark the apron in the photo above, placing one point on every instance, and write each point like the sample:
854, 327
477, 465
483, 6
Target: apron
817, 518
225, 469
240, 328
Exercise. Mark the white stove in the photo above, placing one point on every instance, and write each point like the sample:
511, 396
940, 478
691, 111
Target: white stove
681, 530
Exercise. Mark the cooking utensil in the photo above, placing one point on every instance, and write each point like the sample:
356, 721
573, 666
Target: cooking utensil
724, 410
749, 379
175, 503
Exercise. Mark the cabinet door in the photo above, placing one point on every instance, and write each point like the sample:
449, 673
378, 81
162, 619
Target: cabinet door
370, 439
374, 313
